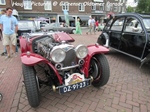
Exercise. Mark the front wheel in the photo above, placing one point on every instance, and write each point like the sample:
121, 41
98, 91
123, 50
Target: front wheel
99, 70
31, 85
73, 31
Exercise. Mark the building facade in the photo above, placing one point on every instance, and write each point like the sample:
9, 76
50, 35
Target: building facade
4, 4
53, 10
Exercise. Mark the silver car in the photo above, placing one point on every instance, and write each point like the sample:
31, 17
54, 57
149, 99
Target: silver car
58, 27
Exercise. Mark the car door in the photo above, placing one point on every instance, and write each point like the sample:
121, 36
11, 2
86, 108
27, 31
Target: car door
133, 37
115, 32
56, 27
67, 28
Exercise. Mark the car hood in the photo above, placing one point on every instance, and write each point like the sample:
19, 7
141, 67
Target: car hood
40, 33
62, 36
58, 36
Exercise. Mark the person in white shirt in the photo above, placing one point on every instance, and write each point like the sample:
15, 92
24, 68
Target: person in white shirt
93, 25
89, 25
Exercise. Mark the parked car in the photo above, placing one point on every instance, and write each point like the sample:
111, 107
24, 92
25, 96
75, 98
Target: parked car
25, 26
66, 67
40, 24
58, 27
128, 33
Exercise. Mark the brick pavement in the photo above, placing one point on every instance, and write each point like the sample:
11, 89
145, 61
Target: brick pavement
10, 75
128, 88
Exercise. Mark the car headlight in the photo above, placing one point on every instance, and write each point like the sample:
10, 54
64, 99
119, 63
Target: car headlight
58, 55
81, 51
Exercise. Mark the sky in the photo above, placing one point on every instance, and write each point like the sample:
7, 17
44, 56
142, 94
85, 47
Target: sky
131, 3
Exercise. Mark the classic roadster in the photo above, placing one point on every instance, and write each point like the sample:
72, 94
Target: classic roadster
66, 67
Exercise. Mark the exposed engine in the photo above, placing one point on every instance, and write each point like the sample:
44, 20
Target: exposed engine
56, 52
44, 47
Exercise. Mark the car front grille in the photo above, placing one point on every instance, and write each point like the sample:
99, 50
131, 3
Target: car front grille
70, 58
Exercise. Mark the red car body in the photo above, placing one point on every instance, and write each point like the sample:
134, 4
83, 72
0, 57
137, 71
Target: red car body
30, 58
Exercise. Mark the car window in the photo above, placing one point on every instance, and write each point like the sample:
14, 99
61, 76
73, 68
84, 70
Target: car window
26, 24
133, 25
147, 23
118, 24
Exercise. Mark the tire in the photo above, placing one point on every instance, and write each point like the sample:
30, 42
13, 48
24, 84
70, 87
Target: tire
99, 70
31, 85
73, 31
51, 30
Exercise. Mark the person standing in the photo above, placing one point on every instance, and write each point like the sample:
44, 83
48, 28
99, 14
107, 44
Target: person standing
89, 25
93, 25
78, 27
96, 24
9, 26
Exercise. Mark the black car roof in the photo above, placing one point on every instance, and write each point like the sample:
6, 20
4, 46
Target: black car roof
134, 14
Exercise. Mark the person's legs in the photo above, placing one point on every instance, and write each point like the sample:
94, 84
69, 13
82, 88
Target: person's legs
5, 50
6, 43
8, 50
13, 42
89, 30
16, 48
94, 29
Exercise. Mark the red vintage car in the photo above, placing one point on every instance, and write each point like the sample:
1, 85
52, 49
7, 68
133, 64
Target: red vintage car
66, 67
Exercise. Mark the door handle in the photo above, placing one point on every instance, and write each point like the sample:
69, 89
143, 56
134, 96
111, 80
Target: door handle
122, 33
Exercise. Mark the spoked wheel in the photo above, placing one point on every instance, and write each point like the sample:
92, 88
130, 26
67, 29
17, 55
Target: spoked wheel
31, 85
1, 97
99, 70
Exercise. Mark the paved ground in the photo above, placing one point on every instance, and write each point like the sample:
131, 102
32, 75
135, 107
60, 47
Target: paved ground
128, 89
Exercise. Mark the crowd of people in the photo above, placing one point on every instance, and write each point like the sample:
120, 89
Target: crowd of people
9, 28
93, 26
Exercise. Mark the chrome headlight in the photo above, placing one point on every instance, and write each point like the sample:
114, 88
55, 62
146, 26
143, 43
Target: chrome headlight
81, 51
58, 55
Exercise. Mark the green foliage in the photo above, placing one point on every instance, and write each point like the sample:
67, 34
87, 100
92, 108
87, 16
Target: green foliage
130, 9
143, 6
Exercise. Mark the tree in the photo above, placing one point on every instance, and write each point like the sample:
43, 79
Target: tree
143, 6
130, 9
